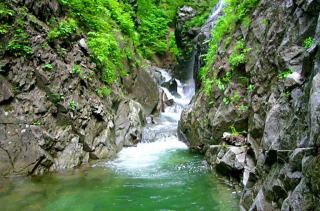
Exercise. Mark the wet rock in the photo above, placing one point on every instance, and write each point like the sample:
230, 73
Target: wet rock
128, 123
171, 85
169, 102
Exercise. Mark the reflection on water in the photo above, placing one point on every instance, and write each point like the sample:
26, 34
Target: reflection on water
156, 175
174, 180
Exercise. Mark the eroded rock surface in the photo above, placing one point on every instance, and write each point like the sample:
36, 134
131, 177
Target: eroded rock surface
51, 119
273, 100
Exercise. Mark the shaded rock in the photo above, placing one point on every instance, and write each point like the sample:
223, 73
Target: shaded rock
171, 85
232, 162
5, 90
299, 199
314, 103
261, 204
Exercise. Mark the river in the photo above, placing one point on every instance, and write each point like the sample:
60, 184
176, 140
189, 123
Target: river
158, 174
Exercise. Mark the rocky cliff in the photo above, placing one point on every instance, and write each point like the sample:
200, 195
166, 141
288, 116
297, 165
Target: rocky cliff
55, 111
259, 121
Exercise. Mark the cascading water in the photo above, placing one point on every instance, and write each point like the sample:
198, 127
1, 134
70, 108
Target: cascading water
158, 174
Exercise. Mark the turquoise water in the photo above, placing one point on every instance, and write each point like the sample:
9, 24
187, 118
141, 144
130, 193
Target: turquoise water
167, 178
158, 174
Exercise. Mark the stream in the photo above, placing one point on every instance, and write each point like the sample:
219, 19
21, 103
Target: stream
158, 174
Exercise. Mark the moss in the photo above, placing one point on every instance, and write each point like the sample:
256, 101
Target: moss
234, 14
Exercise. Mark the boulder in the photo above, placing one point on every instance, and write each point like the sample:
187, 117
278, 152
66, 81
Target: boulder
171, 85
128, 124
141, 87
232, 161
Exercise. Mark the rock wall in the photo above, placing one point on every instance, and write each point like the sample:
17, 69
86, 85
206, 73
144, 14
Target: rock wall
264, 127
52, 119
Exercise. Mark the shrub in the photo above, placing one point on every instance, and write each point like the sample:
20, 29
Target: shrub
76, 70
285, 74
243, 108
307, 43
104, 92
234, 13
108, 55
73, 105
238, 55
47, 67
19, 45
250, 88
64, 30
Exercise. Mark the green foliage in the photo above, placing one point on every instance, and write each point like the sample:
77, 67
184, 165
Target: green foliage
5, 11
108, 55
76, 70
19, 45
285, 74
203, 11
246, 21
44, 45
307, 43
265, 21
208, 86
234, 13
221, 85
250, 88
64, 30
226, 100
73, 105
36, 123
104, 92
238, 55
153, 29
101, 19
227, 41
243, 108
122, 16
47, 67
286, 94
4, 28
235, 132
235, 98
55, 97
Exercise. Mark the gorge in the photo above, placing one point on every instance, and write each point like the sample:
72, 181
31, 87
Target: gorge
159, 105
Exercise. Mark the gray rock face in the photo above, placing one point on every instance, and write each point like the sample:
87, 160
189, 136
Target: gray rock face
52, 120
279, 113
5, 90
314, 103
142, 88
128, 123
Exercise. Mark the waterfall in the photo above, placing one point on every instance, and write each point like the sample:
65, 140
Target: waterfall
204, 36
